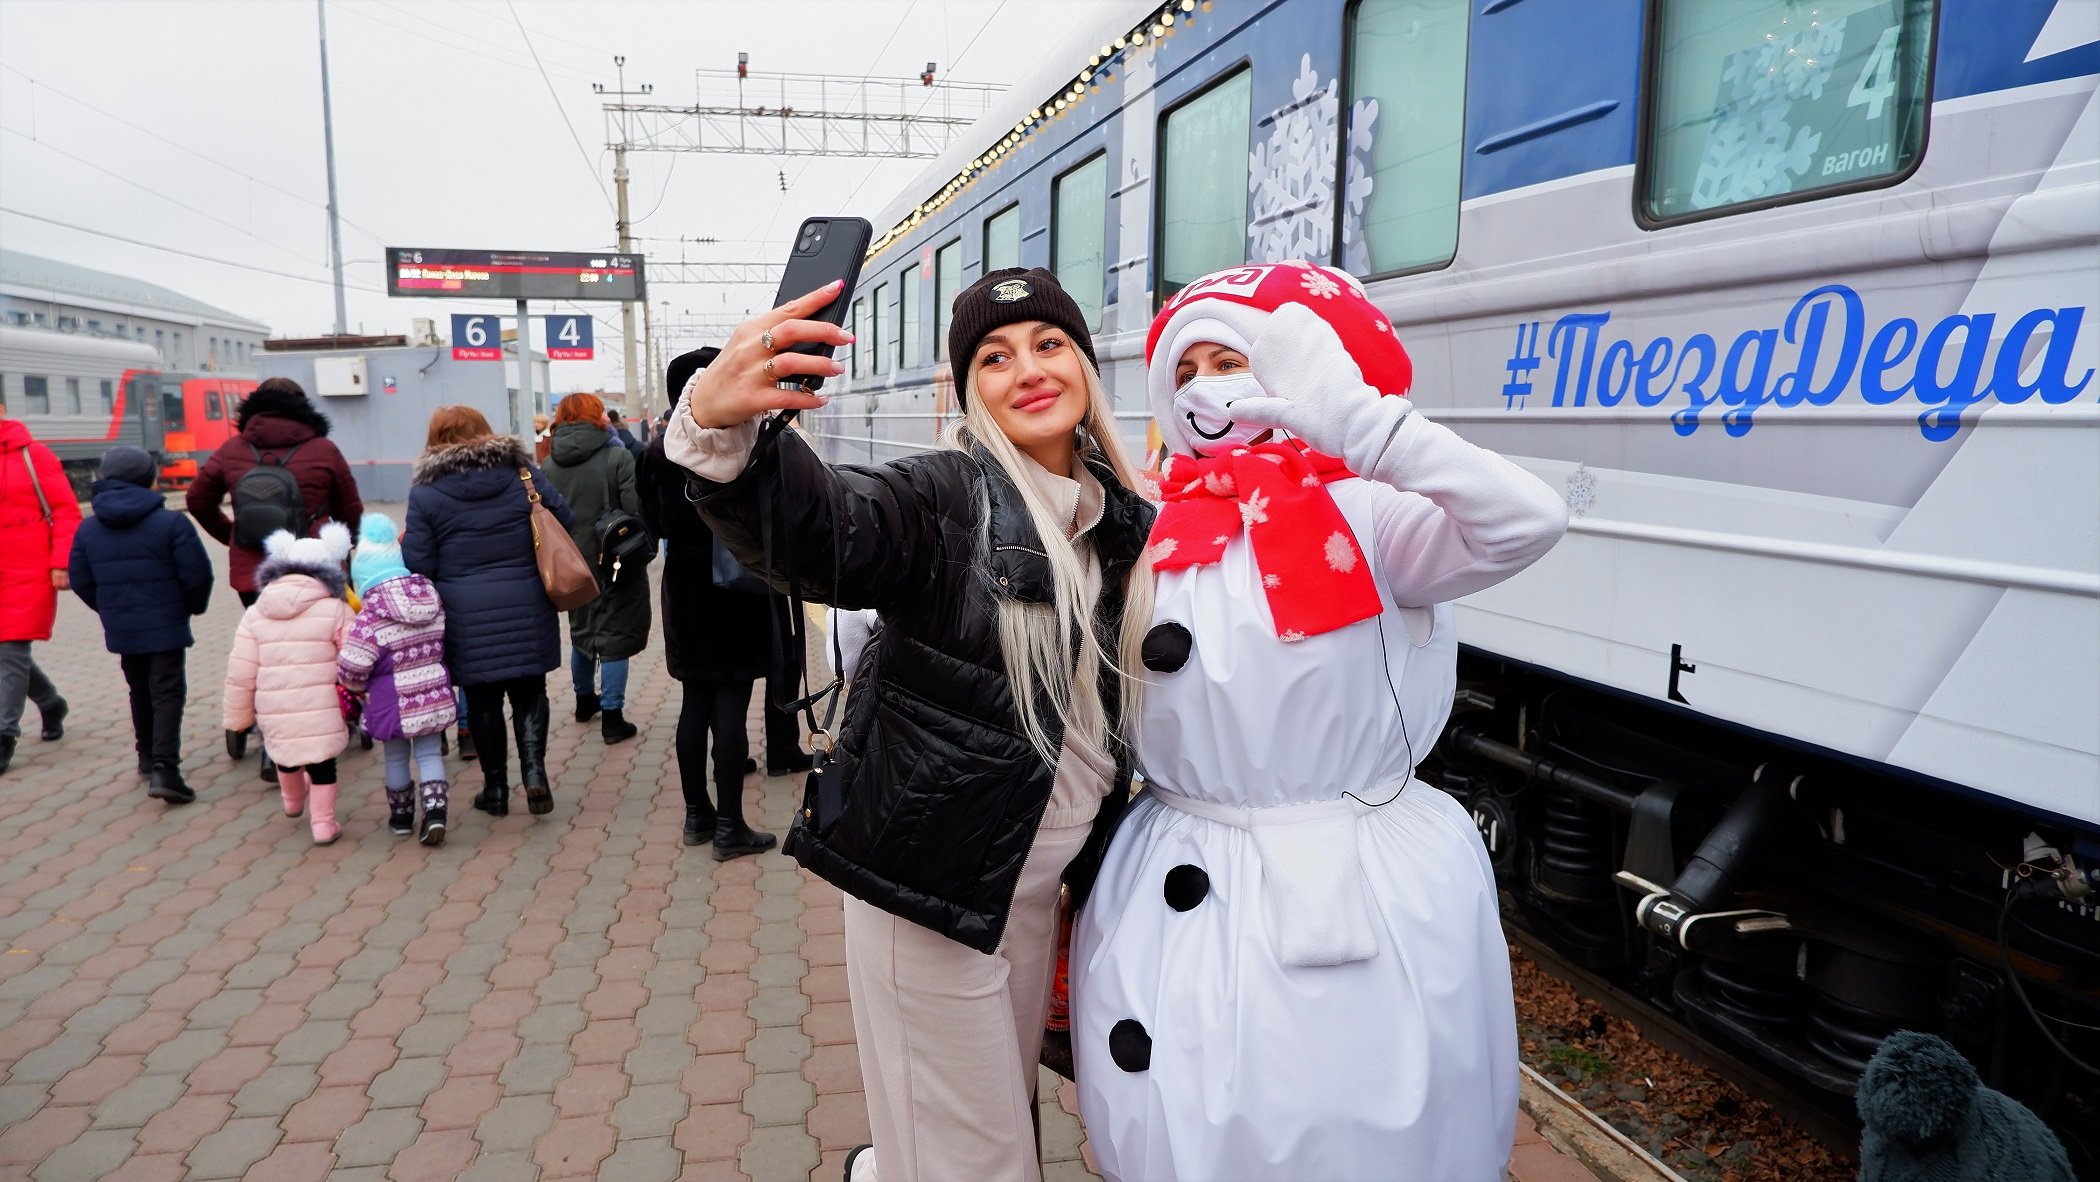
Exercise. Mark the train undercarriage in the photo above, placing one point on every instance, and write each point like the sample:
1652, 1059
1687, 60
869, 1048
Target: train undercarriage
1788, 905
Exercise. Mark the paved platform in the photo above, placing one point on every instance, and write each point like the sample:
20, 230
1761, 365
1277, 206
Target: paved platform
200, 993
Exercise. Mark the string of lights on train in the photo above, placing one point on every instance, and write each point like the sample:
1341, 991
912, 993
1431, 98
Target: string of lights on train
1156, 27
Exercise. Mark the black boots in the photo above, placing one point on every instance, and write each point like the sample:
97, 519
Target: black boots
55, 722
734, 839
616, 729
269, 768
7, 753
586, 707
794, 763
699, 824
530, 726
164, 782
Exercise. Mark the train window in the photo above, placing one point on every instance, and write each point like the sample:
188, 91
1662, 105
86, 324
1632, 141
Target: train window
1754, 104
874, 338
854, 350
109, 396
911, 342
1002, 239
947, 280
72, 404
1406, 88
36, 395
1202, 184
214, 410
171, 412
1079, 234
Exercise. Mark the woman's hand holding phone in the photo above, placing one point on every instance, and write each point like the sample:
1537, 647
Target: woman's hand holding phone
741, 384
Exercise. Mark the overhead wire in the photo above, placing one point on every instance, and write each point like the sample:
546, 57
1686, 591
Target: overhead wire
588, 164
163, 195
37, 84
471, 49
967, 47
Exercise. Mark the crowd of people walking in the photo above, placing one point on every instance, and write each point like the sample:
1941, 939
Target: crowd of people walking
354, 622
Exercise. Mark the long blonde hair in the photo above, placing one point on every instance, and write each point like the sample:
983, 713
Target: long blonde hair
1037, 640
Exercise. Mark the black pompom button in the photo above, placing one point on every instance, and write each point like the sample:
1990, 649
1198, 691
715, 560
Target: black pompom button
1186, 887
1130, 1046
1167, 647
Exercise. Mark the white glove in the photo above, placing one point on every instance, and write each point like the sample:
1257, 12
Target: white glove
1317, 393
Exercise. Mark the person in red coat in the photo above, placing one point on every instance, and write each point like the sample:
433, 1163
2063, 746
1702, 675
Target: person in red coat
276, 424
38, 514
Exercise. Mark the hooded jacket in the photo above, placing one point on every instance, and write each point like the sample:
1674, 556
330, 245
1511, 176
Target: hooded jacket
469, 531
943, 793
709, 634
281, 673
30, 547
582, 463
141, 568
394, 654
272, 424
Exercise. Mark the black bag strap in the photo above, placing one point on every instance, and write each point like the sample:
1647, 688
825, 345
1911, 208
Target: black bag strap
282, 461
797, 630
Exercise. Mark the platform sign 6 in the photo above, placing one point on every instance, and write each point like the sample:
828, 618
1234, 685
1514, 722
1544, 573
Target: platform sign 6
569, 338
477, 338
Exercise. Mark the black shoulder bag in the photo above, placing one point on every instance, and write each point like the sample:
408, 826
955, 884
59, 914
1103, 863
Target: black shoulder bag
823, 791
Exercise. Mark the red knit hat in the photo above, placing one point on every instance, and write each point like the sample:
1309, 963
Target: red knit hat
1242, 298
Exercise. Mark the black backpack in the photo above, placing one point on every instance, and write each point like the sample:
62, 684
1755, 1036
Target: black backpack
266, 499
624, 544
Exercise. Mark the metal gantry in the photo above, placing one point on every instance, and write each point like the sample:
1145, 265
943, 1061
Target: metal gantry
802, 115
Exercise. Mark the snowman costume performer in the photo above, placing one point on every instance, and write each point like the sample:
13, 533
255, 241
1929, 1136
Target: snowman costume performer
1292, 966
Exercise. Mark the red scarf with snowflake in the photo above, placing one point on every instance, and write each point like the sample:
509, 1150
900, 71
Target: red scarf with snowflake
1311, 568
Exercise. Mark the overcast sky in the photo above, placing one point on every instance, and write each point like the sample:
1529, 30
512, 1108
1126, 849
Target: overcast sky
204, 135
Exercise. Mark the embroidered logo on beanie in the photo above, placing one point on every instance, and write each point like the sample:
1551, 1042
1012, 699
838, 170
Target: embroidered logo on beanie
1011, 291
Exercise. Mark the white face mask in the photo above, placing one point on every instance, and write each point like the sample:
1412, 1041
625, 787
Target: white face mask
1203, 412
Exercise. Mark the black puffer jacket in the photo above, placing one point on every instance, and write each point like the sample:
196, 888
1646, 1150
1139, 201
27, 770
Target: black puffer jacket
943, 792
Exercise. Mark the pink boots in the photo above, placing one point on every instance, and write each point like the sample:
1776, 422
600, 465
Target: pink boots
323, 814
293, 787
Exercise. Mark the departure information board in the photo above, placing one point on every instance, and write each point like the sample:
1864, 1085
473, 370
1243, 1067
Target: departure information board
513, 274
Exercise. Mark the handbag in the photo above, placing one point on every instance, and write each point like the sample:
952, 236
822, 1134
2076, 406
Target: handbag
565, 574
623, 539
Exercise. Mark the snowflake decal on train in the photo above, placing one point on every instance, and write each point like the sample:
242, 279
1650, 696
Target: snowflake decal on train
1291, 174
1357, 183
1762, 136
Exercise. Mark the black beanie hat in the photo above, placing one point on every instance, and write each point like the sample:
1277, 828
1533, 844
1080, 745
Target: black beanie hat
684, 366
130, 465
1009, 296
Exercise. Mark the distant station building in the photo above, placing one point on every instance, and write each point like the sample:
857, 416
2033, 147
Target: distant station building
190, 335
378, 392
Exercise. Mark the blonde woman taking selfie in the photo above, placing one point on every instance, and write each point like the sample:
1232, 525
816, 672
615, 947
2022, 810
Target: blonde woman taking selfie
983, 754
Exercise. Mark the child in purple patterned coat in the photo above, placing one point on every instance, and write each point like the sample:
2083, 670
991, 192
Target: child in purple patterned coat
395, 655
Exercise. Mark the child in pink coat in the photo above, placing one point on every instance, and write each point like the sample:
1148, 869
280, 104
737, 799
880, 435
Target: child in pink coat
281, 675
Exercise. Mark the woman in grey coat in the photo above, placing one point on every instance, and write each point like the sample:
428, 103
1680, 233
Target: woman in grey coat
592, 472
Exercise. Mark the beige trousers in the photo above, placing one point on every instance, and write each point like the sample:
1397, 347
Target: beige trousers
949, 1037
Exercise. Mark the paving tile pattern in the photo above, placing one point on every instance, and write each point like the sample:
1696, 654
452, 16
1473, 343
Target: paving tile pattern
201, 993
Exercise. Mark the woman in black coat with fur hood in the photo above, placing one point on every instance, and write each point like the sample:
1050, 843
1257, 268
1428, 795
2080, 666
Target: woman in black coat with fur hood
469, 532
277, 425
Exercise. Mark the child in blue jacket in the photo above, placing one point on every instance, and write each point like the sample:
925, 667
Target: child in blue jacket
141, 568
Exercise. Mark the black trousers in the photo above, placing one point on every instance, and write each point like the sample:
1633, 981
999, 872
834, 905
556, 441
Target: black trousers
485, 719
720, 708
159, 684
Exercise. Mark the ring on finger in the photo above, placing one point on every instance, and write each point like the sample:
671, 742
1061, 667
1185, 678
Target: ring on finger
765, 338
770, 371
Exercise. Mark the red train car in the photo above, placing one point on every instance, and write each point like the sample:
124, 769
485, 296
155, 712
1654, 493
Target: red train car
198, 412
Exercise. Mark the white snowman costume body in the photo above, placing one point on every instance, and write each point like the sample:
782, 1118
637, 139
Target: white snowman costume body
1291, 965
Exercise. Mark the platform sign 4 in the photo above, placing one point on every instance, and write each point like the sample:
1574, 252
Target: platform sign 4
569, 338
477, 338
